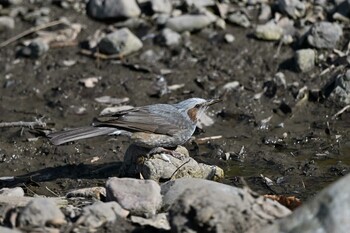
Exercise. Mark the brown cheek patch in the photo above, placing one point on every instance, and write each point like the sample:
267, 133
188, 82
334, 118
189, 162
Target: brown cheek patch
192, 113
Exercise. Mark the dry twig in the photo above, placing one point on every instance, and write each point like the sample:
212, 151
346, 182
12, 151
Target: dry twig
30, 124
30, 31
340, 112
206, 139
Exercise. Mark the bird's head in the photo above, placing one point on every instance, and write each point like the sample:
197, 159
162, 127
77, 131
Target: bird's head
195, 107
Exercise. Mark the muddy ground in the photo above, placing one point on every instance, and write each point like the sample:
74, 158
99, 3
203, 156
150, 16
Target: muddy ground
302, 157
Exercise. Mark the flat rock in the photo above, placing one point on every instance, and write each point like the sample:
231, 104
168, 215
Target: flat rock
122, 41
160, 167
140, 197
13, 192
6, 23
305, 59
112, 9
324, 35
41, 212
205, 206
100, 213
239, 19
329, 211
269, 31
159, 221
200, 3
161, 6
189, 22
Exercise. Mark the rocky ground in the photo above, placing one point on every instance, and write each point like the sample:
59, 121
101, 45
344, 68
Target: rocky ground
280, 68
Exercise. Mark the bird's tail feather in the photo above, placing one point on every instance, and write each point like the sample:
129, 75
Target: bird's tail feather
61, 137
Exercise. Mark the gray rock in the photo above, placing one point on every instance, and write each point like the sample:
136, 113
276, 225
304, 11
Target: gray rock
140, 197
189, 22
41, 212
150, 56
8, 230
122, 41
293, 8
239, 19
13, 192
164, 167
341, 91
169, 38
36, 48
206, 206
42, 20
6, 23
324, 35
329, 211
305, 59
269, 31
265, 13
112, 9
161, 6
100, 213
162, 19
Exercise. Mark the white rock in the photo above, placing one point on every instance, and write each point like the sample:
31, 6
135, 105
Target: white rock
6, 23
305, 59
269, 31
170, 38
200, 3
231, 86
161, 6
189, 22
229, 38
13, 192
239, 19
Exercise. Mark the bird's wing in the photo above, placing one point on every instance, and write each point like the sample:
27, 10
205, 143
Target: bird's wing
159, 118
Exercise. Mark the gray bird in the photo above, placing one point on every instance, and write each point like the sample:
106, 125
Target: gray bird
151, 126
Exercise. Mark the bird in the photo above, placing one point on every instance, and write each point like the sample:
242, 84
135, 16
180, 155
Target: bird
156, 126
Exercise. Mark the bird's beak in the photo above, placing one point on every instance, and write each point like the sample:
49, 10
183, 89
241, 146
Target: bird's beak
213, 101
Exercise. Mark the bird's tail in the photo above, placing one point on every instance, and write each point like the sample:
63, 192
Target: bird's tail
61, 137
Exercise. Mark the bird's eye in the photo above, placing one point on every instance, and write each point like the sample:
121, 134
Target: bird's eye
197, 105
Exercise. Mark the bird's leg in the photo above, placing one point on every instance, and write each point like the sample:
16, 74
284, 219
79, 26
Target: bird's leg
159, 150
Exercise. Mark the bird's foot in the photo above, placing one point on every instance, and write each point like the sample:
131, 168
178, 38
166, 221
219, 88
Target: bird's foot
161, 150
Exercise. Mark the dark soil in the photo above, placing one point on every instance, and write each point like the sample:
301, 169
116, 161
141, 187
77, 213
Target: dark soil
309, 157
